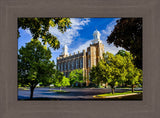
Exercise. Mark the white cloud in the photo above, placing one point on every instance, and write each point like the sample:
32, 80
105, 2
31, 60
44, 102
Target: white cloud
104, 33
68, 36
71, 33
111, 48
82, 47
109, 28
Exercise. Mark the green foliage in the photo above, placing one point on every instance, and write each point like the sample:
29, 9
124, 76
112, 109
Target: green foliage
121, 52
116, 70
98, 73
76, 76
39, 28
63, 82
140, 81
128, 34
95, 75
34, 65
60, 80
134, 75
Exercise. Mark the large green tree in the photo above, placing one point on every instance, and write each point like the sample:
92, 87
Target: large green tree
127, 33
39, 28
115, 69
111, 70
98, 73
60, 80
76, 76
134, 75
34, 65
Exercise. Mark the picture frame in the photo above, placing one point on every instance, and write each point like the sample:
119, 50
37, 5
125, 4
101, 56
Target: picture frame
10, 107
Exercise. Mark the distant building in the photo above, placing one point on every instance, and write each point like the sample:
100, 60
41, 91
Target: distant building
82, 60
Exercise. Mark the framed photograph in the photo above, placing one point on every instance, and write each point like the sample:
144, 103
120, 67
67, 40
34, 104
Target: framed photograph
68, 59
79, 59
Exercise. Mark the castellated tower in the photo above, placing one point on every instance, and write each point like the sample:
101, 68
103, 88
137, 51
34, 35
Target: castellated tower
82, 60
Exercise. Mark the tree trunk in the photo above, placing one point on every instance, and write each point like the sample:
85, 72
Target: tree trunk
31, 95
113, 90
60, 89
132, 88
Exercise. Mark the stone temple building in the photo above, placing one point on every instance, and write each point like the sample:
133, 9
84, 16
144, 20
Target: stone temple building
82, 60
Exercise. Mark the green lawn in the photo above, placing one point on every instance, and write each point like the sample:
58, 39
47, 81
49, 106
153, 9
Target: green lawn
124, 93
23, 88
59, 91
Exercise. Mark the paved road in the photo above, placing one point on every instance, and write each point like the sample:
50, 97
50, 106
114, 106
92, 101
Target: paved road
71, 94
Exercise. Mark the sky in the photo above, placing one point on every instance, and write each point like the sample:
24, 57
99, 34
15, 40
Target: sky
79, 36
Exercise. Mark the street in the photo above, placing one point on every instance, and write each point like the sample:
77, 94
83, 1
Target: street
70, 94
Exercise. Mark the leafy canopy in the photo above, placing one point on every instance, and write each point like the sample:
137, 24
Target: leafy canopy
116, 70
60, 80
128, 34
34, 65
39, 28
134, 75
76, 76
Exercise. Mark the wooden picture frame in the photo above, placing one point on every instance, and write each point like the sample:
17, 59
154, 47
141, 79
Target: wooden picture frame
10, 107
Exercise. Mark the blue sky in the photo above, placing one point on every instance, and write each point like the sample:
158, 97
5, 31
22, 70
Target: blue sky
79, 36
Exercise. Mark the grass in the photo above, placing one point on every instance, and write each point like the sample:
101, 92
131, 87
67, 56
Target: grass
23, 88
116, 94
123, 88
59, 91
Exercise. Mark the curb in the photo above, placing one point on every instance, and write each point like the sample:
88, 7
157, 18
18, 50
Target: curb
115, 95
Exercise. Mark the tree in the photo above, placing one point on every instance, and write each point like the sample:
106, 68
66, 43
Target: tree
115, 69
98, 73
39, 28
140, 78
111, 70
128, 34
62, 82
34, 65
76, 76
95, 75
121, 52
134, 75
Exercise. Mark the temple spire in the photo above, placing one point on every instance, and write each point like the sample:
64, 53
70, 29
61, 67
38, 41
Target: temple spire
96, 36
65, 50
